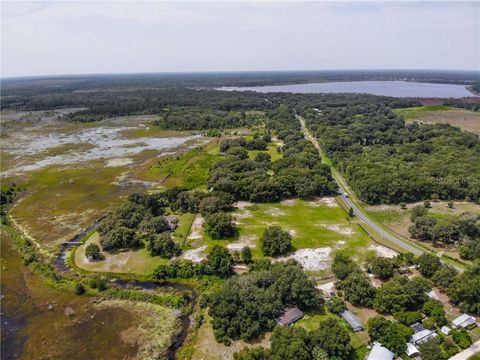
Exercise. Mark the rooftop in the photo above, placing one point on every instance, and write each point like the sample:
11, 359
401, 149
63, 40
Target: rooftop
352, 320
290, 316
380, 352
423, 336
463, 320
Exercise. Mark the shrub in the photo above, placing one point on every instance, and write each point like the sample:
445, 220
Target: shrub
79, 289
92, 251
275, 241
220, 225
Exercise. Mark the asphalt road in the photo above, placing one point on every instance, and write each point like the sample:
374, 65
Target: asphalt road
356, 210
376, 228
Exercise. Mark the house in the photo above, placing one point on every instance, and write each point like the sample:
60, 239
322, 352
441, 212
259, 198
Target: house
380, 352
422, 336
290, 316
412, 350
464, 321
352, 320
446, 330
417, 327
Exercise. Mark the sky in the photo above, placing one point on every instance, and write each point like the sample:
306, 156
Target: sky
70, 37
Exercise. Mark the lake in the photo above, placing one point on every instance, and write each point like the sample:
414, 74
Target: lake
386, 88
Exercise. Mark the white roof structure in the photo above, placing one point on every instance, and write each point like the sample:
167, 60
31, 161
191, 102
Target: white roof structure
412, 350
463, 321
423, 336
446, 330
380, 352
352, 320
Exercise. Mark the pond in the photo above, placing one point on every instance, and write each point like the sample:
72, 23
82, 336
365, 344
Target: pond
385, 88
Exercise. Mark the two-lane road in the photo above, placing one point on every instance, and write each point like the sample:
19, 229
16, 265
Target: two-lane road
344, 191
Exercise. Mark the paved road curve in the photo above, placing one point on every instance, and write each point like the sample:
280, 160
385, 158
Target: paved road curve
356, 210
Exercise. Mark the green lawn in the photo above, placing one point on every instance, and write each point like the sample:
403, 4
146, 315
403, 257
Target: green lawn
189, 170
415, 112
312, 225
129, 261
271, 149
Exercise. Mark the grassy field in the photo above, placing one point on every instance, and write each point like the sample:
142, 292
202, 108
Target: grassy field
205, 347
319, 227
64, 198
60, 202
129, 261
398, 220
189, 169
465, 119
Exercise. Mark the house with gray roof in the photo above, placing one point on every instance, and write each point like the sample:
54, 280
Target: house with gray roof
352, 320
464, 321
290, 315
422, 336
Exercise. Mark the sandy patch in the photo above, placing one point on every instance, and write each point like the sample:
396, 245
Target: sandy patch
196, 230
245, 240
275, 212
119, 162
195, 255
242, 204
311, 259
242, 214
383, 251
327, 288
289, 202
292, 232
328, 201
341, 229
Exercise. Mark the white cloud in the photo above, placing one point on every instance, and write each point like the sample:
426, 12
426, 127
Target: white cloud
132, 36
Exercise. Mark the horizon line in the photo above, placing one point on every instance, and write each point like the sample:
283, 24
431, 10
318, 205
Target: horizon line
46, 76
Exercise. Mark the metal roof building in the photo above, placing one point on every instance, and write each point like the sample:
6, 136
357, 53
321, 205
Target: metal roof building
412, 350
352, 320
423, 336
380, 352
463, 321
290, 316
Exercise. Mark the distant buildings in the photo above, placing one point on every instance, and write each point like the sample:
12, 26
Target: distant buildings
352, 320
464, 321
290, 316
380, 352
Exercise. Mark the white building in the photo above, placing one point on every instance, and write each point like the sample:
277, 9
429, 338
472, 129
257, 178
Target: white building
422, 336
464, 321
412, 350
446, 330
380, 352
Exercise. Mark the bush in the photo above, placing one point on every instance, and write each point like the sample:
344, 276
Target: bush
220, 225
275, 241
79, 289
336, 305
92, 251
162, 245
461, 338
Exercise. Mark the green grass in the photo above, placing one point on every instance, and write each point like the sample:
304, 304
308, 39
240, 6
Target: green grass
189, 170
129, 261
414, 112
312, 224
271, 149
60, 202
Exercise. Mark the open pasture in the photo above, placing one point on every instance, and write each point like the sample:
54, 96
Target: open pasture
464, 119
